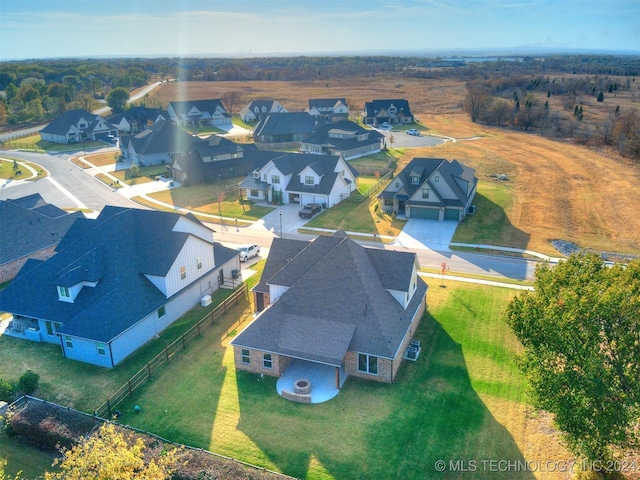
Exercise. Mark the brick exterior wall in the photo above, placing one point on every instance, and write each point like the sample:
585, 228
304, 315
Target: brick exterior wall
9, 270
279, 363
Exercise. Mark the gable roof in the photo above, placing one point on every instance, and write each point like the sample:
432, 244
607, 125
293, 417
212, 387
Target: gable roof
162, 137
61, 125
286, 123
140, 115
329, 135
326, 102
113, 250
372, 108
182, 107
452, 172
29, 224
337, 300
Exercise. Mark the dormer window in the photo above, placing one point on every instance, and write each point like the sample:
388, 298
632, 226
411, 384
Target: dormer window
256, 174
415, 180
64, 294
309, 180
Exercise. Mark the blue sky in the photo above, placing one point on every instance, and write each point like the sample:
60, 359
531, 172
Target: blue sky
89, 28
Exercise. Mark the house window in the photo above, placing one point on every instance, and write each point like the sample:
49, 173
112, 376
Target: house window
425, 193
275, 178
264, 177
415, 180
183, 273
266, 360
161, 312
256, 175
397, 184
52, 327
63, 292
388, 202
198, 263
68, 341
246, 359
367, 363
436, 178
101, 349
308, 180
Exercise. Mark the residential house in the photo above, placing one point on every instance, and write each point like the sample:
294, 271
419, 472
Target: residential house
256, 110
199, 113
116, 282
333, 302
75, 126
300, 178
284, 130
330, 109
431, 188
345, 138
393, 112
156, 145
29, 228
137, 119
213, 158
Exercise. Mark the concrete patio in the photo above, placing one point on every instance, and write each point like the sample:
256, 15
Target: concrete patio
321, 377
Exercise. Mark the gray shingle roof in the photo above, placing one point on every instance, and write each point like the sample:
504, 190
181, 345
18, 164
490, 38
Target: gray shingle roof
323, 136
182, 107
29, 224
288, 123
162, 137
337, 300
117, 249
375, 106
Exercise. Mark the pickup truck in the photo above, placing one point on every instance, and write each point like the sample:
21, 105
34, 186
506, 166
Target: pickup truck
248, 251
309, 210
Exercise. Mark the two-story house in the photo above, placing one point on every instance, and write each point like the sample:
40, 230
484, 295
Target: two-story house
116, 282
346, 139
330, 109
137, 119
284, 130
157, 144
393, 112
300, 178
198, 113
74, 126
256, 110
332, 302
431, 188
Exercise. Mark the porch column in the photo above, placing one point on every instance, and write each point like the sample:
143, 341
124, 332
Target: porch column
338, 378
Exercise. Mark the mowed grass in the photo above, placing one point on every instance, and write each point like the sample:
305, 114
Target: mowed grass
444, 406
213, 199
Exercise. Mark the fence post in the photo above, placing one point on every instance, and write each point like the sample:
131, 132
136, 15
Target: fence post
130, 391
109, 407
166, 352
149, 369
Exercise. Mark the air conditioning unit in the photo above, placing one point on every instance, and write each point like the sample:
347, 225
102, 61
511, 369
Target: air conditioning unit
412, 353
205, 301
471, 210
415, 343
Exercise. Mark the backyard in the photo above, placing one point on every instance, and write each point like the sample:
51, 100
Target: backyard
464, 399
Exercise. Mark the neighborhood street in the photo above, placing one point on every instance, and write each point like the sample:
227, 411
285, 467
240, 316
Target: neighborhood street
68, 186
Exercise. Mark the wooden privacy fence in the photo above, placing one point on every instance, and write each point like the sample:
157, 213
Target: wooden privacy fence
145, 374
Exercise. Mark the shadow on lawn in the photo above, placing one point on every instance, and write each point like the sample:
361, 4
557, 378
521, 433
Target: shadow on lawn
373, 430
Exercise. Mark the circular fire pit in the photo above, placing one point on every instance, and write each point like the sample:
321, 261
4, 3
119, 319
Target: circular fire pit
302, 386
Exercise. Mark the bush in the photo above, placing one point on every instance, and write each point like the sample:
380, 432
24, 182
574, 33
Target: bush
6, 391
28, 382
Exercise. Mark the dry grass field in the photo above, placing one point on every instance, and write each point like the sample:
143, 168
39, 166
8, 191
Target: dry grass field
558, 190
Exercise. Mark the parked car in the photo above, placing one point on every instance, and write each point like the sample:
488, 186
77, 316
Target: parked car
385, 125
414, 132
248, 251
309, 210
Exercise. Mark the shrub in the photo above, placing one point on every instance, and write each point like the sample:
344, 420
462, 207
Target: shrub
6, 391
28, 382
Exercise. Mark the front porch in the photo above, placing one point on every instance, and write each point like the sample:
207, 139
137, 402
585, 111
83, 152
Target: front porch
324, 381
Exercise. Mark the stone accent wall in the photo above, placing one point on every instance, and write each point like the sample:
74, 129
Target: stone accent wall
9, 270
279, 363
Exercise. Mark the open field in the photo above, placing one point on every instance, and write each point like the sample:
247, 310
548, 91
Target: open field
556, 190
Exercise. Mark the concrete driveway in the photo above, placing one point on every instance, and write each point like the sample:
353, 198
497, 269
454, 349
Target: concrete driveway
431, 234
283, 216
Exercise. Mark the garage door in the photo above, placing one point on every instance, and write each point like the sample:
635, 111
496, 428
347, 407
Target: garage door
304, 199
452, 214
425, 213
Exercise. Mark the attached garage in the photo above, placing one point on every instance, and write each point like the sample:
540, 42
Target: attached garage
304, 199
425, 213
452, 214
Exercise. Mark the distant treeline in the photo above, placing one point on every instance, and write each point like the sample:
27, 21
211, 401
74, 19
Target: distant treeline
38, 90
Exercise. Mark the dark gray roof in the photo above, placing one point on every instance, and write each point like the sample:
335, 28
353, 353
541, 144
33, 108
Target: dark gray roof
61, 125
162, 137
140, 115
285, 123
372, 108
117, 249
182, 107
337, 300
452, 172
325, 135
29, 224
325, 102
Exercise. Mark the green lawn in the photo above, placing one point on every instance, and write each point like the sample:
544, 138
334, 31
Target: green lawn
434, 410
144, 174
36, 144
7, 171
490, 225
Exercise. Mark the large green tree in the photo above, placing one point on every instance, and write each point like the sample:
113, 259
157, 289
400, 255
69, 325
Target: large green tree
580, 328
117, 99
